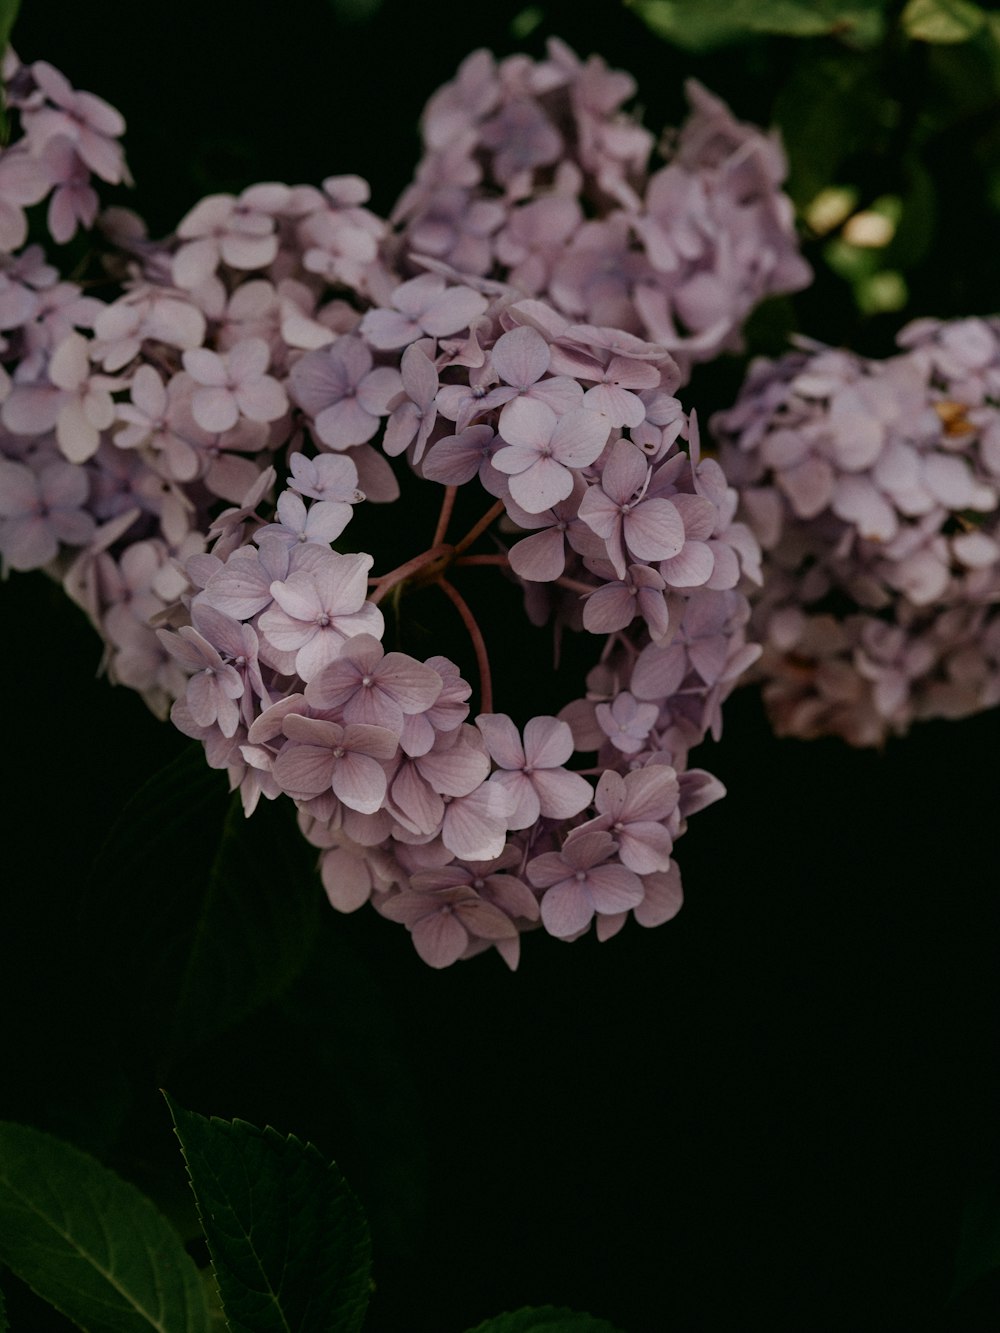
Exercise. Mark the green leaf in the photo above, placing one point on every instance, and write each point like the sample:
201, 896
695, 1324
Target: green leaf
535, 1319
4, 1326
91, 1244
700, 25
942, 21
197, 914
829, 107
288, 1238
8, 15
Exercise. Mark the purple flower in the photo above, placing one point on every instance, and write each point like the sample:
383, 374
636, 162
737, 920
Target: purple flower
649, 529
442, 921
541, 448
41, 510
424, 305
321, 756
341, 391
580, 880
214, 686
318, 609
635, 810
365, 684
532, 772
234, 383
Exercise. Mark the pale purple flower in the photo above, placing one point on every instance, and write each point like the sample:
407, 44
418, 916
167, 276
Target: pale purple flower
521, 357
541, 448
90, 122
39, 511
523, 138
626, 722
365, 684
322, 522
615, 605
23, 181
145, 313
442, 921
346, 398
612, 394
456, 459
152, 419
448, 711
234, 383
582, 880
422, 306
648, 529
74, 201
321, 756
635, 808
456, 765
532, 772
413, 413
332, 477
238, 232
318, 609
214, 686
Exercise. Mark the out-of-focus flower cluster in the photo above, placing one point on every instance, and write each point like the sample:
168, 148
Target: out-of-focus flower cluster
873, 487
282, 333
533, 170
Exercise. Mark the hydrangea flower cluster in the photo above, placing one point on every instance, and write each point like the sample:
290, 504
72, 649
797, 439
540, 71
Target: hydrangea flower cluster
533, 171
279, 334
873, 487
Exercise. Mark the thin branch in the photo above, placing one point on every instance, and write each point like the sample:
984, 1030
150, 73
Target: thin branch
404, 571
478, 643
500, 560
493, 512
447, 505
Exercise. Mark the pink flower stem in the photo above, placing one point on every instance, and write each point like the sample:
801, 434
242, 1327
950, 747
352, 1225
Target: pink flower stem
479, 528
500, 560
447, 505
478, 643
401, 572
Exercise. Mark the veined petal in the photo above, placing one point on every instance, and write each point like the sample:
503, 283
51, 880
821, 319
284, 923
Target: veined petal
567, 909
359, 781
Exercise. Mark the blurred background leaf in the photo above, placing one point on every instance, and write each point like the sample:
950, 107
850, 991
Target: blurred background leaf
199, 915
544, 1319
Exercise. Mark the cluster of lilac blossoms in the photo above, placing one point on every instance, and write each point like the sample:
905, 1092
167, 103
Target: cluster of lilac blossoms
533, 171
873, 487
281, 334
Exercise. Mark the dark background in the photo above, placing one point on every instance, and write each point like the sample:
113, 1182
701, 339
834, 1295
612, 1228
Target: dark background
778, 1111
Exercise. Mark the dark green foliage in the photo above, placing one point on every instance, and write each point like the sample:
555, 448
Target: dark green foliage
288, 1239
201, 915
89, 1243
544, 1319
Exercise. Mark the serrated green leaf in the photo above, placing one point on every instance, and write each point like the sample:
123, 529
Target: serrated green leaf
198, 915
701, 25
544, 1319
942, 21
91, 1244
289, 1240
